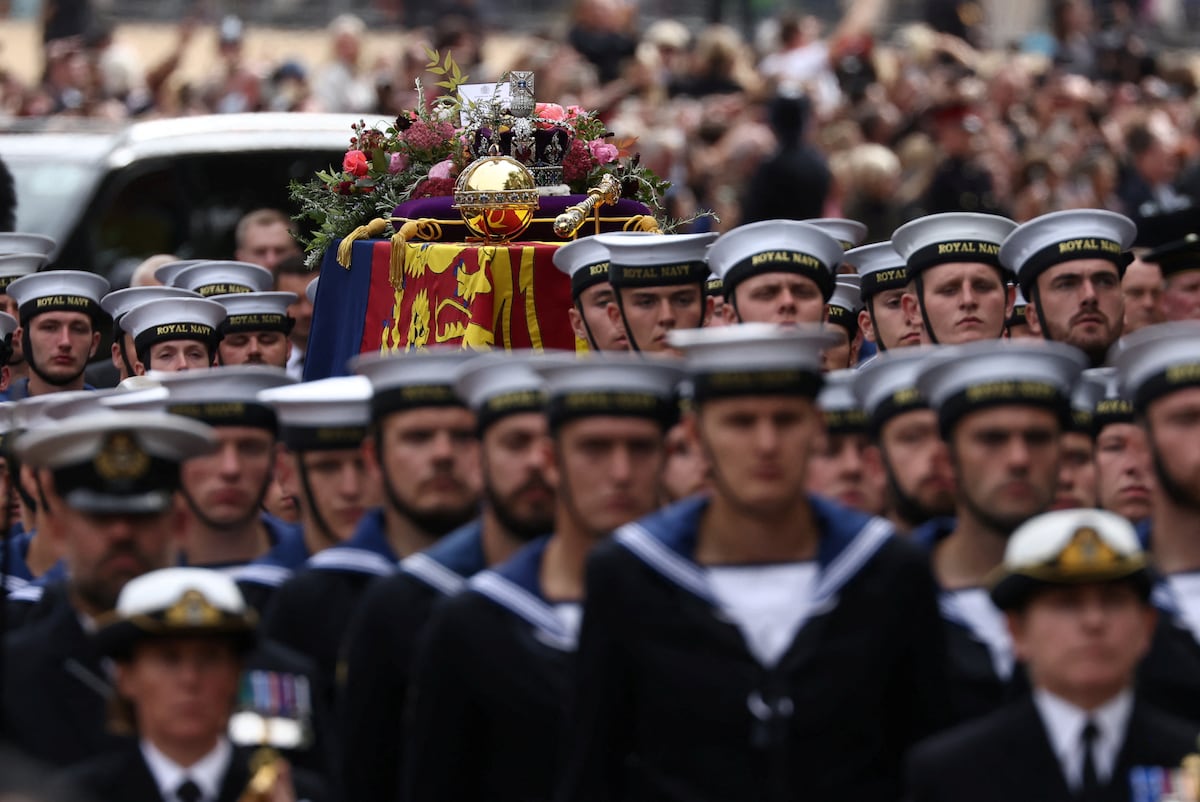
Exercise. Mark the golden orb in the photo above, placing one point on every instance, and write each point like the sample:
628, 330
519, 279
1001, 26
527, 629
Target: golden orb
497, 197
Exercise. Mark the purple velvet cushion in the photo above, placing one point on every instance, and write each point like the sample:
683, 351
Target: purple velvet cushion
441, 208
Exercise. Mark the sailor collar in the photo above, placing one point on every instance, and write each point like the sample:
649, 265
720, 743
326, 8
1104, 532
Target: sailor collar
446, 565
288, 553
666, 542
366, 552
515, 586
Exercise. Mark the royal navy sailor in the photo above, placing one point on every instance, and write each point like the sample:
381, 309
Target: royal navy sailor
1124, 469
20, 255
171, 335
758, 643
256, 328
220, 277
839, 468
882, 283
506, 396
117, 304
585, 261
1069, 266
1002, 407
960, 289
841, 317
60, 316
776, 271
492, 729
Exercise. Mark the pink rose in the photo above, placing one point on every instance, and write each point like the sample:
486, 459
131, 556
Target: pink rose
355, 163
550, 111
443, 169
397, 163
602, 151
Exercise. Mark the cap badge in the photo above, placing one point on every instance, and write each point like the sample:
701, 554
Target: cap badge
192, 610
1087, 552
121, 458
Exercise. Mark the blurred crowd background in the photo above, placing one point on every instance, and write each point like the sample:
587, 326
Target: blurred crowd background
879, 111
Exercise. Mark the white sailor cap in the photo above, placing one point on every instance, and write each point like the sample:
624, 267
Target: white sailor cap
177, 602
8, 324
31, 412
1157, 360
499, 384
411, 380
1069, 547
322, 415
173, 319
713, 286
848, 233
7, 426
1112, 406
1088, 392
656, 260
776, 246
1057, 237
839, 405
222, 396
753, 359
585, 262
167, 273
879, 267
224, 277
939, 239
844, 305
59, 291
15, 265
886, 386
256, 311
70, 404
118, 303
116, 462
965, 378
20, 242
611, 384
310, 291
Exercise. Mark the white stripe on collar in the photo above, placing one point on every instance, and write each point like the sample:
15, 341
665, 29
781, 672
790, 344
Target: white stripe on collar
270, 575
522, 603
432, 573
679, 570
29, 593
358, 561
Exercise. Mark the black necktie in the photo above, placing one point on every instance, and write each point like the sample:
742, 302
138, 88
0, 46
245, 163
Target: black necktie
188, 791
1089, 789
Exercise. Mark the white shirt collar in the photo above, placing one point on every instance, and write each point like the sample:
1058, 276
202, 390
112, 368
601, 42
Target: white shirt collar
1064, 724
207, 772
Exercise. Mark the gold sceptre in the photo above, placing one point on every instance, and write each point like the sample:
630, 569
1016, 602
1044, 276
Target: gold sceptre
606, 193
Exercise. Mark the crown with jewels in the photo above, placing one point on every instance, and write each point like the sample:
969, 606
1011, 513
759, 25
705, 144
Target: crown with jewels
540, 145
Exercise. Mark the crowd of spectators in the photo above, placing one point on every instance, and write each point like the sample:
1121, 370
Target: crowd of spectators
863, 118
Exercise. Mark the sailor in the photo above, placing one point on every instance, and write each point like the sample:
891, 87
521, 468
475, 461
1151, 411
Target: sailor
178, 639
20, 255
1077, 463
1002, 407
110, 479
722, 635
585, 261
658, 285
883, 282
117, 304
1074, 588
838, 468
776, 271
1018, 324
714, 288
60, 316
256, 328
959, 287
319, 462
841, 317
1124, 470
1179, 262
423, 451
1069, 266
849, 233
490, 729
905, 440
505, 393
165, 274
218, 277
1159, 372
174, 334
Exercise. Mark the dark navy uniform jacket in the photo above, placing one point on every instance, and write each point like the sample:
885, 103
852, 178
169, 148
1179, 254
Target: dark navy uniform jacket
378, 654
671, 704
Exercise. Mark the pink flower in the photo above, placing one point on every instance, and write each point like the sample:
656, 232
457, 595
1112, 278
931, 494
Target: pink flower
355, 163
397, 163
423, 136
550, 111
443, 169
602, 151
576, 111
434, 187
578, 161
